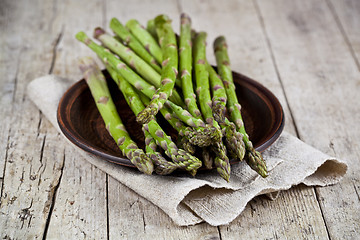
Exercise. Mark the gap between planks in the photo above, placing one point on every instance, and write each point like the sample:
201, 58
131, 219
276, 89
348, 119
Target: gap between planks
53, 200
343, 32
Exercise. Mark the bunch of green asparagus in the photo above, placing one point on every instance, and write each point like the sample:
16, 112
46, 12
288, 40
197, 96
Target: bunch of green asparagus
159, 71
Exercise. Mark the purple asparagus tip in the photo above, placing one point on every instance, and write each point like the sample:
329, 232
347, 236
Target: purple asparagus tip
98, 32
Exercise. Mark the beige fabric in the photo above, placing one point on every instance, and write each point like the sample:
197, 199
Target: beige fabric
207, 197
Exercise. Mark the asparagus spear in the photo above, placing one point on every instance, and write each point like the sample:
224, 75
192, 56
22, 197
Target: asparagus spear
233, 139
252, 157
162, 166
202, 77
100, 92
182, 158
221, 160
219, 94
145, 38
133, 43
152, 29
169, 70
185, 52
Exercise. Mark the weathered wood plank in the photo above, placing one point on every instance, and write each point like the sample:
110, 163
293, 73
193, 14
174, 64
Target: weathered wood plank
346, 14
72, 17
320, 77
9, 61
33, 158
249, 54
80, 206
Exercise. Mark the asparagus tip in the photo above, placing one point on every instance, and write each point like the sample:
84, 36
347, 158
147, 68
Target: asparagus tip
219, 43
86, 63
256, 162
185, 19
162, 19
223, 172
98, 32
146, 115
81, 36
142, 161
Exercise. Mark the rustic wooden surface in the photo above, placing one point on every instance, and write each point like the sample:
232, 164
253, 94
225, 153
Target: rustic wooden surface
306, 52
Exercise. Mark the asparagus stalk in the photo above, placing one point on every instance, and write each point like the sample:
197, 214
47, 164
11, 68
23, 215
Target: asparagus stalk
133, 43
101, 94
252, 157
233, 139
169, 70
182, 158
145, 38
219, 94
221, 160
152, 29
202, 77
185, 116
185, 52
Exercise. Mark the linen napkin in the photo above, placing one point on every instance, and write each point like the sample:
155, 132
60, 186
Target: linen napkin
207, 197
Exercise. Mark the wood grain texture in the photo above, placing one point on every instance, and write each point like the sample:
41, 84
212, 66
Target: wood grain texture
33, 159
70, 18
321, 79
346, 14
80, 207
8, 82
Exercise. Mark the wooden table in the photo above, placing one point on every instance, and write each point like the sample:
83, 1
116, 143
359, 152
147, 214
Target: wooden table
306, 52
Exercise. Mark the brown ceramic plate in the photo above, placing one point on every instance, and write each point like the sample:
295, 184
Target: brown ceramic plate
81, 122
